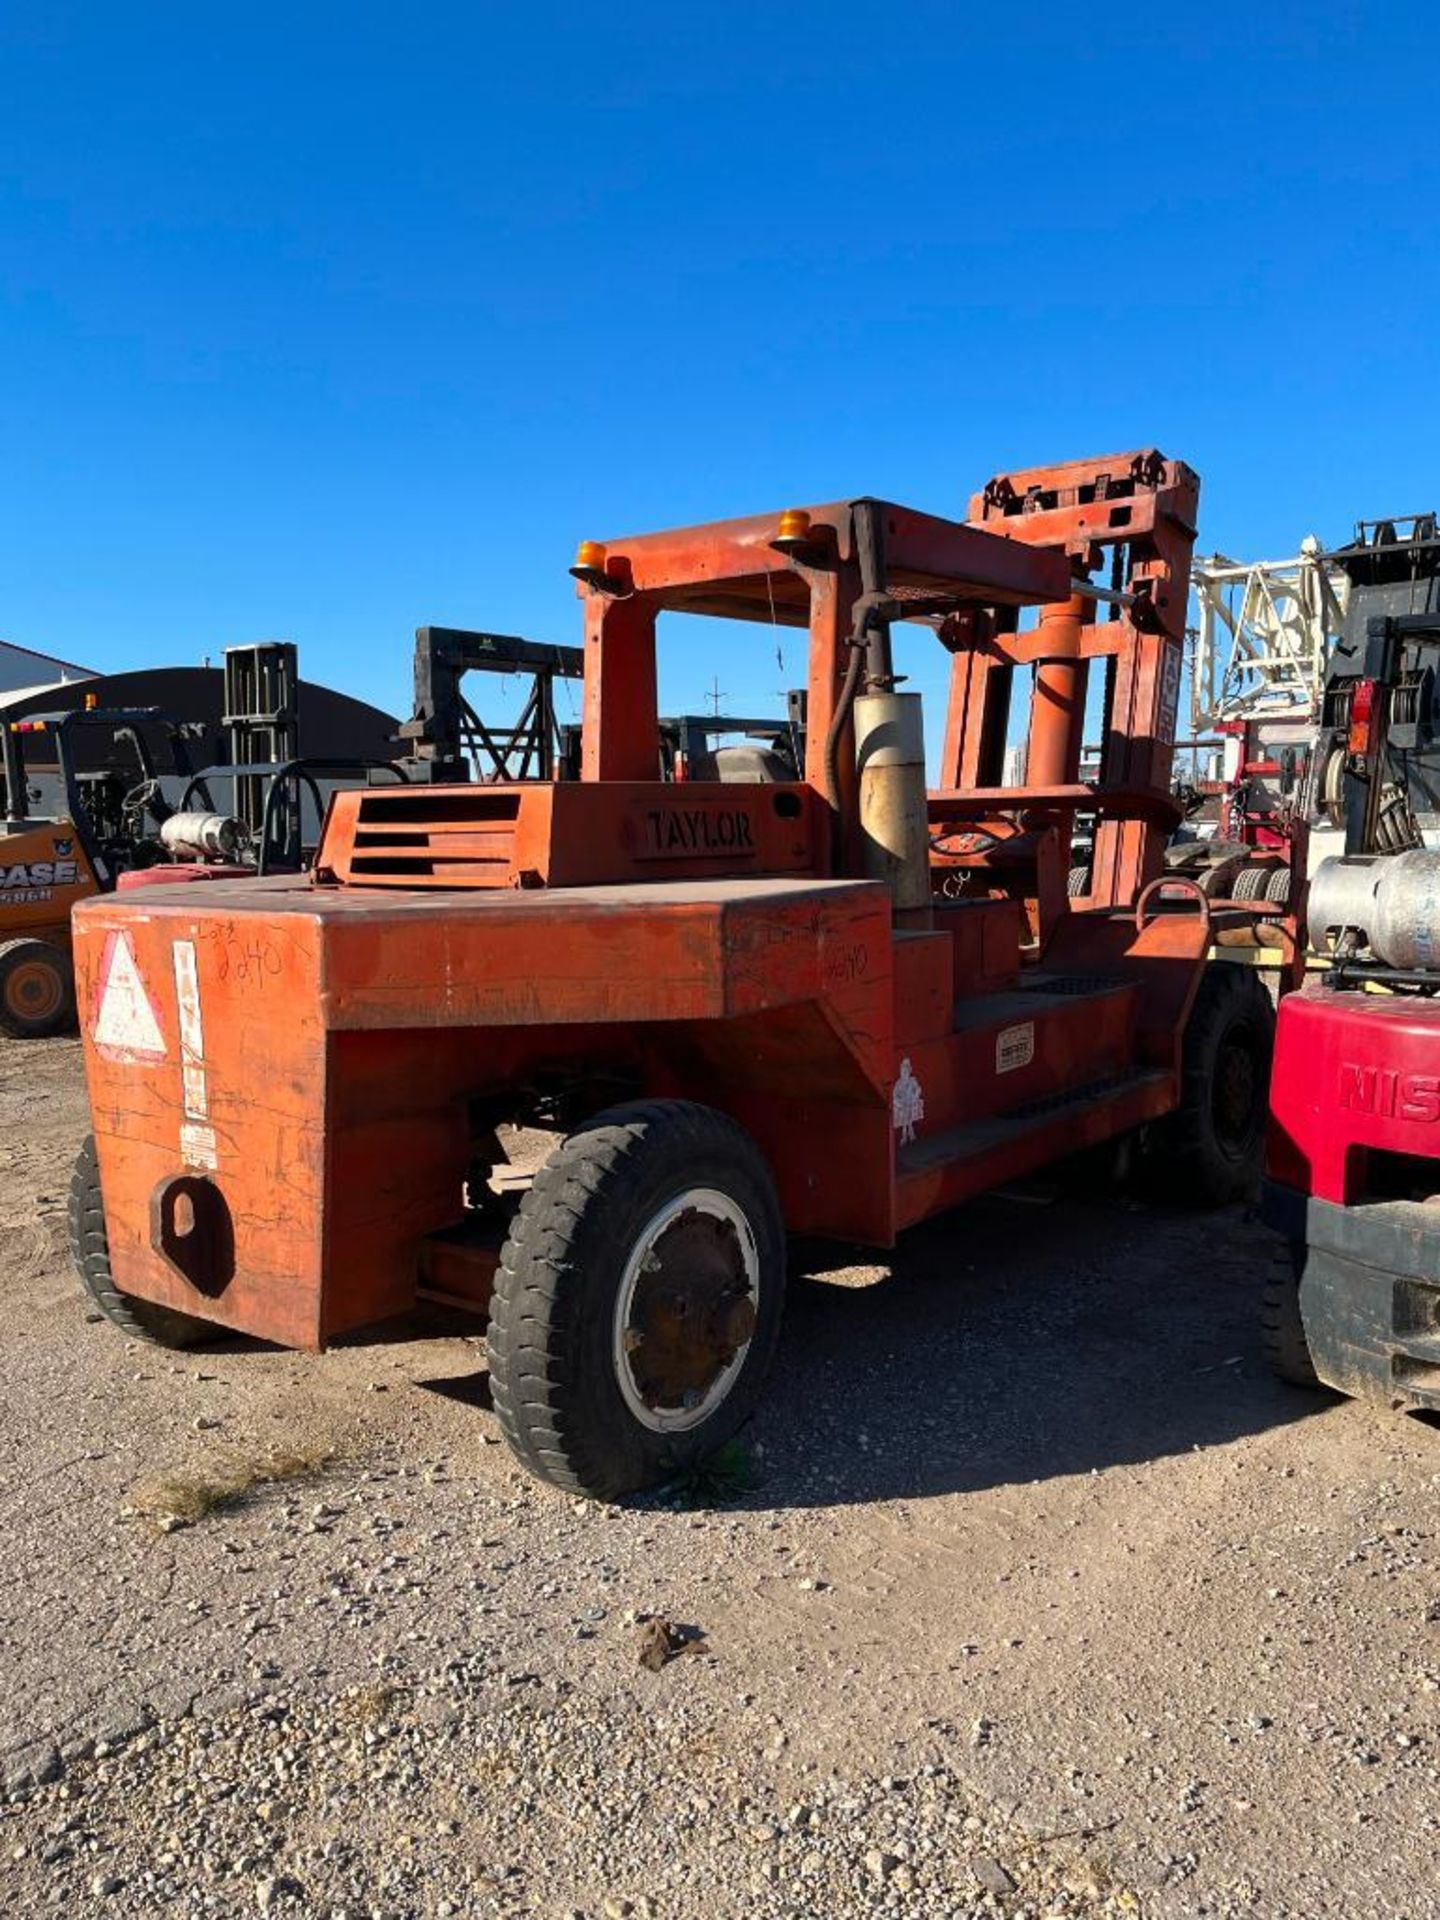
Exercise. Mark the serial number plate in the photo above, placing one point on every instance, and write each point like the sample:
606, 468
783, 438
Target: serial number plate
1014, 1047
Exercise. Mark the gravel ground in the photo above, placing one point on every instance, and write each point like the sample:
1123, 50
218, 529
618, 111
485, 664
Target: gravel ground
1045, 1600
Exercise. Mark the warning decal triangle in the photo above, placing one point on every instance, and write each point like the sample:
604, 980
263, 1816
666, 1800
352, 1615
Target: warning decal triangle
126, 1020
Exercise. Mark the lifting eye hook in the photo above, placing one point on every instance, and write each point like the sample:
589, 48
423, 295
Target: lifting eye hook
1156, 887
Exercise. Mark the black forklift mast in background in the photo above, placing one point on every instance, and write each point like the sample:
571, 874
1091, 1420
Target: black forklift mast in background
266, 775
1378, 755
261, 717
448, 739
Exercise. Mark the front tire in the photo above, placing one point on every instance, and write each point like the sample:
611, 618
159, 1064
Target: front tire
90, 1251
638, 1301
1287, 1351
37, 990
1208, 1151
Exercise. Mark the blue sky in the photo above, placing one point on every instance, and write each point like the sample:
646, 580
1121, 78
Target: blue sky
319, 322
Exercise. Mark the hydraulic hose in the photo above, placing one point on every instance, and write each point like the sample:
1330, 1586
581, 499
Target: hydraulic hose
869, 637
873, 608
839, 720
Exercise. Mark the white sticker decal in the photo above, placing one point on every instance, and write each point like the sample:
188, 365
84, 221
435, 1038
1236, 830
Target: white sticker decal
1014, 1047
907, 1104
197, 1136
126, 1022
1169, 693
192, 1032
197, 1146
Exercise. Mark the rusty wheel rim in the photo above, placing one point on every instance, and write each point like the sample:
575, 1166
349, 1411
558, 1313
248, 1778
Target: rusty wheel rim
686, 1310
34, 990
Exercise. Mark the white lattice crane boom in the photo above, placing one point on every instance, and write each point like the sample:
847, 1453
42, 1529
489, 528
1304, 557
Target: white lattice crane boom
1264, 636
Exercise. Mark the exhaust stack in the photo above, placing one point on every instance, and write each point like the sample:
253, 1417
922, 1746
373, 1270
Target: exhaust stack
894, 818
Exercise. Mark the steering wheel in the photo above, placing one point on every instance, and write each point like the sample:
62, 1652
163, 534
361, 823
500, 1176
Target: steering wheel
139, 799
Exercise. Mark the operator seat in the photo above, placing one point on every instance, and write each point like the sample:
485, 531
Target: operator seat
747, 765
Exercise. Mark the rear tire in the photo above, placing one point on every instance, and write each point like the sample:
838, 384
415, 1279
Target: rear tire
1208, 1151
1287, 1351
90, 1251
37, 990
638, 1301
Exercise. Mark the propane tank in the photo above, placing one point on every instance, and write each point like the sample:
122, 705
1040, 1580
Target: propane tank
894, 820
1390, 901
202, 836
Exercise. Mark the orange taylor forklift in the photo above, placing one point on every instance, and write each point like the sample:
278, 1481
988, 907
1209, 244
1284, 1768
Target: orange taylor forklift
831, 1005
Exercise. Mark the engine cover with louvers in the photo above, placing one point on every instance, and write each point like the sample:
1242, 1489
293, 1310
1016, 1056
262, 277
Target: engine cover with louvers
570, 834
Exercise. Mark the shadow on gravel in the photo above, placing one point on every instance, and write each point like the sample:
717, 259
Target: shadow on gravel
469, 1389
1007, 1342
1013, 1342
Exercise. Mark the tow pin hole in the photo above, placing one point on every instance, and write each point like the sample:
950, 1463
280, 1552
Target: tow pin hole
192, 1230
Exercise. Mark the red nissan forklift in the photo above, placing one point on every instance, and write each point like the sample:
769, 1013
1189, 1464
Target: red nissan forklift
828, 1005
1353, 1158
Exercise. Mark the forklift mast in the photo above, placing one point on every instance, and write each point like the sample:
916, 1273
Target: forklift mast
1133, 519
262, 720
1377, 763
449, 740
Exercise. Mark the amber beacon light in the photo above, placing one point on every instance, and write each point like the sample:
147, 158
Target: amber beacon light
589, 564
793, 532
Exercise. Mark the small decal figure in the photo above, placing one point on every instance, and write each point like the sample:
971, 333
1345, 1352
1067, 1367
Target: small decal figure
907, 1104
